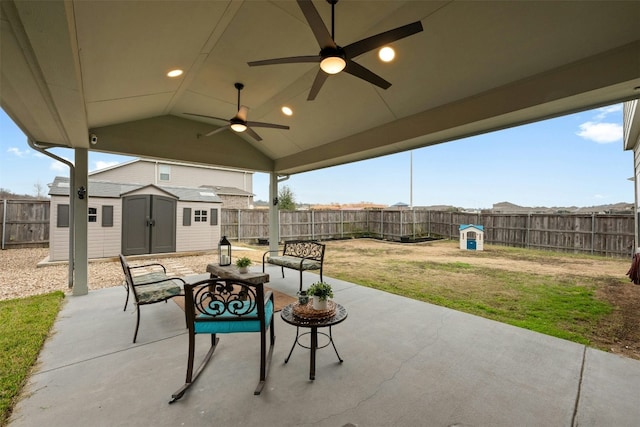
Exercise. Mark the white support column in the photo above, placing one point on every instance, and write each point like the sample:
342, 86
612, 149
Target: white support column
274, 213
80, 222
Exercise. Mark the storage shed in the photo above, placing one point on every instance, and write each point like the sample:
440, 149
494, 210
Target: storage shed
471, 237
135, 219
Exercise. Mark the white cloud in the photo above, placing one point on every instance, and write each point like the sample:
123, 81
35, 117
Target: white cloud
605, 111
101, 164
16, 151
602, 133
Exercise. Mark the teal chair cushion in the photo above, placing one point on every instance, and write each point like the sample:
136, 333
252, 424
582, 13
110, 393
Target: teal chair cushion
231, 326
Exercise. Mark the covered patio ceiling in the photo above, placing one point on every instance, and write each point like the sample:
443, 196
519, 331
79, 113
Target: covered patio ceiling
74, 68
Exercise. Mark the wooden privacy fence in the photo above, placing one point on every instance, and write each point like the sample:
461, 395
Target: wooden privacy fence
24, 223
598, 234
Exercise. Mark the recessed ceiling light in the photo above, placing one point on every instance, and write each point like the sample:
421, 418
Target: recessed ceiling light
175, 73
287, 111
386, 54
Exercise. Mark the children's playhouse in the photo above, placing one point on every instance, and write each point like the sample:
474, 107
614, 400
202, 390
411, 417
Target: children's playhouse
471, 237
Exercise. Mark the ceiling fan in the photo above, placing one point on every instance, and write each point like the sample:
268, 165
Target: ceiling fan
334, 58
239, 122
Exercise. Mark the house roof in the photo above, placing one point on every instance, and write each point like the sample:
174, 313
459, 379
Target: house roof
164, 162
477, 67
227, 191
105, 189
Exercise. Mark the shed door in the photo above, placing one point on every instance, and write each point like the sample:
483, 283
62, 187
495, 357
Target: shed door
471, 244
148, 224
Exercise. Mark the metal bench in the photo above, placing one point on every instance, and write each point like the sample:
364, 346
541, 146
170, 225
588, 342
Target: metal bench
300, 255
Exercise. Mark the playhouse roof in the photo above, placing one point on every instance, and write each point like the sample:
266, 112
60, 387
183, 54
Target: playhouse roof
466, 226
107, 189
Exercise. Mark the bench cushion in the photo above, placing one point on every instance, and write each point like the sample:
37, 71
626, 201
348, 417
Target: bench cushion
156, 291
294, 262
229, 327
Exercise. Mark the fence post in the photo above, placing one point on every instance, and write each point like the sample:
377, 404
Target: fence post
401, 228
527, 244
239, 215
593, 232
313, 226
4, 220
413, 221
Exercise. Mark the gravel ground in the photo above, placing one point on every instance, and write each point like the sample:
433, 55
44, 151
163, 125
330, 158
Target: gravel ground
21, 276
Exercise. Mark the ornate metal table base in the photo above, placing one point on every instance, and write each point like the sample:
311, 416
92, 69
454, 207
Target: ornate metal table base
299, 322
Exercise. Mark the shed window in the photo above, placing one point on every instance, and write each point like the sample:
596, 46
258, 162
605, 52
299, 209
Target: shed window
186, 217
214, 217
107, 216
164, 172
200, 216
63, 216
93, 215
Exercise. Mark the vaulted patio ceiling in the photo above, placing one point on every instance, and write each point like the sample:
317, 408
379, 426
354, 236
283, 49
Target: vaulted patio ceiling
74, 68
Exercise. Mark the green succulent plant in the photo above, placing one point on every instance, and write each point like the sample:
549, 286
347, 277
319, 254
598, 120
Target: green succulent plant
243, 262
320, 289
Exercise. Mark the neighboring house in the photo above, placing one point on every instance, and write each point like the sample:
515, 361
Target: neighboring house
137, 219
232, 197
234, 187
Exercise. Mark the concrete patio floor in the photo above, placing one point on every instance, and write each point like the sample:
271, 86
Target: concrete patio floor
406, 363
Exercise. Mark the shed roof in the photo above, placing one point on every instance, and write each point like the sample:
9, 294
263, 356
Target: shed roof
107, 189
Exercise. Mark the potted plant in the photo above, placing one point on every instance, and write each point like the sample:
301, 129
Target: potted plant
321, 292
243, 264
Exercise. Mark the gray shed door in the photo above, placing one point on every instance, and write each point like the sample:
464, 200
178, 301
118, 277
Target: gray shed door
148, 224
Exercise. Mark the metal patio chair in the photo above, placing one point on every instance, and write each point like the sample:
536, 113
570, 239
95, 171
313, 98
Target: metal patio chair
225, 306
149, 288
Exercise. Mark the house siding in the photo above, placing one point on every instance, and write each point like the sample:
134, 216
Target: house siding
102, 241
199, 236
145, 172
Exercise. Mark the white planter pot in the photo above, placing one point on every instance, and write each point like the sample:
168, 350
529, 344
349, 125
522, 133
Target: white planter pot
319, 304
243, 269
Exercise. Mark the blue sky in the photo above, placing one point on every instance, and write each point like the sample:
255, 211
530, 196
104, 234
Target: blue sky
575, 160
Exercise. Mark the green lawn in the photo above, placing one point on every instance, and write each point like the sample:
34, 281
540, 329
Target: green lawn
24, 325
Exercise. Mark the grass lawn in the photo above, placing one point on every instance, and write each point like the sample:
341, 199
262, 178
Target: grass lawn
24, 325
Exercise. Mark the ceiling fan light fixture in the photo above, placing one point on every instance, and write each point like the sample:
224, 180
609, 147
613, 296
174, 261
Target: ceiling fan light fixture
287, 111
238, 127
333, 64
386, 54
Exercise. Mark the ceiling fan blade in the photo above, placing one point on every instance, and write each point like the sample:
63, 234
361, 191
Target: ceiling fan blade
316, 23
253, 134
321, 77
379, 40
242, 113
267, 125
213, 132
288, 60
208, 117
358, 70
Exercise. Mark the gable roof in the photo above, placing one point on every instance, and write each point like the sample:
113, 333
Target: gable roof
107, 189
67, 74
